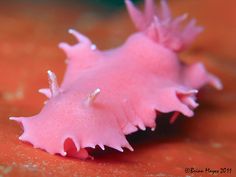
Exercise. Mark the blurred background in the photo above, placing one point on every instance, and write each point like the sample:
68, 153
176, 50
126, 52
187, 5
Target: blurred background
29, 35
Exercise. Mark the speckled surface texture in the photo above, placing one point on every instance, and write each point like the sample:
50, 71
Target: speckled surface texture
29, 35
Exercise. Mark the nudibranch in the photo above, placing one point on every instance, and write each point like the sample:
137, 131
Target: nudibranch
106, 95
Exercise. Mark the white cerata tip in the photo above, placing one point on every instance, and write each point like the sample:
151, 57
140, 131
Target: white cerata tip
91, 98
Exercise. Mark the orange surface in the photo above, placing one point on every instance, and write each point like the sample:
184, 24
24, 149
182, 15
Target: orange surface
29, 35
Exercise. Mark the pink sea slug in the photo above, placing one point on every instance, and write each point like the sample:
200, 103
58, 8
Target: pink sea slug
106, 95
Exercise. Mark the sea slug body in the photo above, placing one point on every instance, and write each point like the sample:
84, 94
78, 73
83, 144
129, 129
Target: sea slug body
106, 95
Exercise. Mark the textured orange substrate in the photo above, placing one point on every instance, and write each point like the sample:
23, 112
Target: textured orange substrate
29, 35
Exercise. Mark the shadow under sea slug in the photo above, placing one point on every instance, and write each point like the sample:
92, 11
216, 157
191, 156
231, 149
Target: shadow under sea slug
106, 95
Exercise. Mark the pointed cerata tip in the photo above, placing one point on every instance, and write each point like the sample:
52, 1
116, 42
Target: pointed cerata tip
50, 73
92, 146
15, 119
53, 83
191, 102
219, 85
102, 146
11, 118
91, 98
165, 9
51, 76
22, 137
119, 149
215, 82
190, 92
142, 126
71, 31
130, 148
184, 16
64, 46
180, 19
80, 37
93, 47
45, 91
136, 15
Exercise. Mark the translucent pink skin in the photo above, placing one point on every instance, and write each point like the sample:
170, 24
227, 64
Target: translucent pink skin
134, 82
